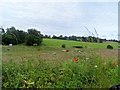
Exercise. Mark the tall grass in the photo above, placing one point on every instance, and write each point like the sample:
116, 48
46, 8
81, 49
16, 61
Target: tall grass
86, 73
38, 67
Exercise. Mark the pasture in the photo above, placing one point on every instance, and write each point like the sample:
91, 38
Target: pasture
51, 66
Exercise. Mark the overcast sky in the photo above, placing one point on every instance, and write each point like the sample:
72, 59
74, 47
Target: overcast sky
63, 18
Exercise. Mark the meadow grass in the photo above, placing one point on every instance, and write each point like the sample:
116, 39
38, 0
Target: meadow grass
69, 43
48, 66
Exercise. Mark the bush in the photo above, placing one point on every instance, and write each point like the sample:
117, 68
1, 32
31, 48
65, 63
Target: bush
109, 47
9, 39
32, 39
63, 46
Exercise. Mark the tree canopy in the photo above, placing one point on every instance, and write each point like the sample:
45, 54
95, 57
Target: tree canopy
16, 36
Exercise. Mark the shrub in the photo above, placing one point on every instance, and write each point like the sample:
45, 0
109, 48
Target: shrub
32, 39
63, 46
9, 39
109, 47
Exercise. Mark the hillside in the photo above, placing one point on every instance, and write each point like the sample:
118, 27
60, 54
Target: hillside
57, 43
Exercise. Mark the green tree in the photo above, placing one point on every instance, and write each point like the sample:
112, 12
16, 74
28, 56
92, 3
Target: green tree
21, 36
8, 39
34, 32
33, 37
18, 34
2, 31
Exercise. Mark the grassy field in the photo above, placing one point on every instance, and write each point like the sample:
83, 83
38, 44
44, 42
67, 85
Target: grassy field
50, 66
57, 43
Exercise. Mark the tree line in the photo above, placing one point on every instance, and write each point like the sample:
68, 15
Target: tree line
15, 36
80, 38
33, 36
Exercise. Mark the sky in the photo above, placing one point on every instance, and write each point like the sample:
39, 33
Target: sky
62, 18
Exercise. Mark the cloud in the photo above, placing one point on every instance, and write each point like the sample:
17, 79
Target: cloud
67, 18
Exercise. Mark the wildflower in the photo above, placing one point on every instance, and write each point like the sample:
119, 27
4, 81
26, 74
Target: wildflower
67, 50
87, 58
75, 59
24, 82
79, 51
95, 66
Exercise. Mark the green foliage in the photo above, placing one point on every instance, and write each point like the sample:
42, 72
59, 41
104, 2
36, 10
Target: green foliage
63, 46
109, 47
9, 39
31, 39
57, 43
39, 74
34, 32
91, 70
19, 35
14, 36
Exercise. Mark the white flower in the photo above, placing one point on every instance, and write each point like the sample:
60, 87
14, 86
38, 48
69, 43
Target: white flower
87, 58
95, 66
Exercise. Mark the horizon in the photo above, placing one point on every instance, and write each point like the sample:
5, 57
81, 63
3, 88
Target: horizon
61, 34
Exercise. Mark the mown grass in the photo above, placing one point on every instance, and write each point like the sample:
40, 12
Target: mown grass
47, 66
69, 43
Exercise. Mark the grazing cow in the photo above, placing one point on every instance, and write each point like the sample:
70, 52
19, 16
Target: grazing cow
77, 46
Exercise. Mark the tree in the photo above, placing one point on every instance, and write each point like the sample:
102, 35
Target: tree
2, 31
55, 37
46, 36
84, 39
100, 40
18, 34
34, 32
61, 37
8, 39
21, 36
11, 29
33, 37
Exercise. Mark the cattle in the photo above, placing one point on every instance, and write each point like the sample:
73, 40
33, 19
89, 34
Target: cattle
77, 46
